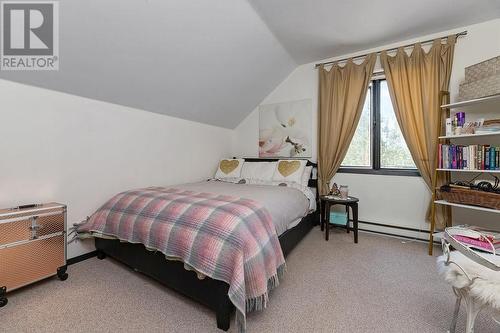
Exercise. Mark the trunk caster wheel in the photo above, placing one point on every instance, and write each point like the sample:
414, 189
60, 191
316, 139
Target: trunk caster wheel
63, 277
101, 255
61, 273
3, 299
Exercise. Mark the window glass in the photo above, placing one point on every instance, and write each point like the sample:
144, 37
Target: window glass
394, 152
359, 153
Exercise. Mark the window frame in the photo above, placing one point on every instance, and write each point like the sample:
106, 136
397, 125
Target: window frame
376, 168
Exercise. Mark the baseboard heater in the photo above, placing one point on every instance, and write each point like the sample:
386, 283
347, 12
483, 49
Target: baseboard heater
396, 227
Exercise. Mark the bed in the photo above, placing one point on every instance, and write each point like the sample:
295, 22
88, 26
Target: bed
207, 291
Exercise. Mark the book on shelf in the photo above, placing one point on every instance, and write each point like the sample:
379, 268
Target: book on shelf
469, 157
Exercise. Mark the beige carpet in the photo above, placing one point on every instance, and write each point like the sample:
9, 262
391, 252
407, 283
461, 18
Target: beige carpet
378, 285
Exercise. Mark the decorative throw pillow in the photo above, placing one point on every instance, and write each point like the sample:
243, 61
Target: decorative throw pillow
289, 170
258, 170
229, 168
306, 175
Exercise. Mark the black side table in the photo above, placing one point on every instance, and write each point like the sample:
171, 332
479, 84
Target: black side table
327, 202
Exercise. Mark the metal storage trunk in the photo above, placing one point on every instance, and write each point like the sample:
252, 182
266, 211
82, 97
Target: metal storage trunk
32, 245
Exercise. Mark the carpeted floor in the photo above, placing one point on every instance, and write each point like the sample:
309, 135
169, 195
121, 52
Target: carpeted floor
378, 285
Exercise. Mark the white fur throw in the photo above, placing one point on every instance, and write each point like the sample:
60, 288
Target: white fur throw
486, 285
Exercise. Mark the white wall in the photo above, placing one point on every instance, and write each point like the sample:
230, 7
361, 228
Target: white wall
394, 200
78, 151
179, 58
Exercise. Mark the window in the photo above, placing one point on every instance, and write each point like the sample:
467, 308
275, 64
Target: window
360, 149
378, 145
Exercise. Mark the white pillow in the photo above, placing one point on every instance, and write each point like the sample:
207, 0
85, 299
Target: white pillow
289, 170
229, 168
306, 175
258, 170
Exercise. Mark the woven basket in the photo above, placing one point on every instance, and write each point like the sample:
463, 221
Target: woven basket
471, 197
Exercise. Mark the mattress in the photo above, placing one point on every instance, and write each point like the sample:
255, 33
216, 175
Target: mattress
287, 205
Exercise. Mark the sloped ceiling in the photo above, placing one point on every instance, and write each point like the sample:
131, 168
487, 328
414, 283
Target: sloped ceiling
207, 61
214, 61
319, 29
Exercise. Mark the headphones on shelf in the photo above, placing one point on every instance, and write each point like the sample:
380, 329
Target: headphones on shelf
481, 186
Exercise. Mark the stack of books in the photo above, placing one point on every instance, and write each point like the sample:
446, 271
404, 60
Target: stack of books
471, 157
480, 242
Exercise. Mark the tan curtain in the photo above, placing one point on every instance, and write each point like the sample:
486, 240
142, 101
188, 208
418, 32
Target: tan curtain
414, 84
342, 92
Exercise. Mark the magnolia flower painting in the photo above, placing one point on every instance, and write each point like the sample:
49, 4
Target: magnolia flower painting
285, 129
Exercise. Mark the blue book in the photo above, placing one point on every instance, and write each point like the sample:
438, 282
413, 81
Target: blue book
492, 158
486, 158
497, 158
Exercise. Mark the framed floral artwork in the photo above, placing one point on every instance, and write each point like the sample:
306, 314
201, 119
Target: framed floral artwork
285, 129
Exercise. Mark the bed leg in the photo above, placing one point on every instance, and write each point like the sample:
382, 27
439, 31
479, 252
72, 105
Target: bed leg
101, 255
223, 315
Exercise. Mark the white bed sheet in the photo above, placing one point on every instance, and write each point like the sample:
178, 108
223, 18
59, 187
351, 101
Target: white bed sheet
286, 204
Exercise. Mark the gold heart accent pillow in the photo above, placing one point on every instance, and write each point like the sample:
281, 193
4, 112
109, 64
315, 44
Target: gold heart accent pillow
286, 168
289, 170
229, 168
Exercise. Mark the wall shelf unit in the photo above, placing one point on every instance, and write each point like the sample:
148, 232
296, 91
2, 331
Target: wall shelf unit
494, 100
446, 203
490, 103
468, 135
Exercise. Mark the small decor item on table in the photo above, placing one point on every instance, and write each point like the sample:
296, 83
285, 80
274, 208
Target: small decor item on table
344, 191
335, 192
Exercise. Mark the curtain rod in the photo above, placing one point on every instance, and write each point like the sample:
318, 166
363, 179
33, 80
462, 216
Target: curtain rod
463, 33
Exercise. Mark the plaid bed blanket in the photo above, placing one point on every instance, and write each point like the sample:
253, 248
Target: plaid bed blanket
226, 238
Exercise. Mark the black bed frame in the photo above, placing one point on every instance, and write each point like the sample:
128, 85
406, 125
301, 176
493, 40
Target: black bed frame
210, 292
